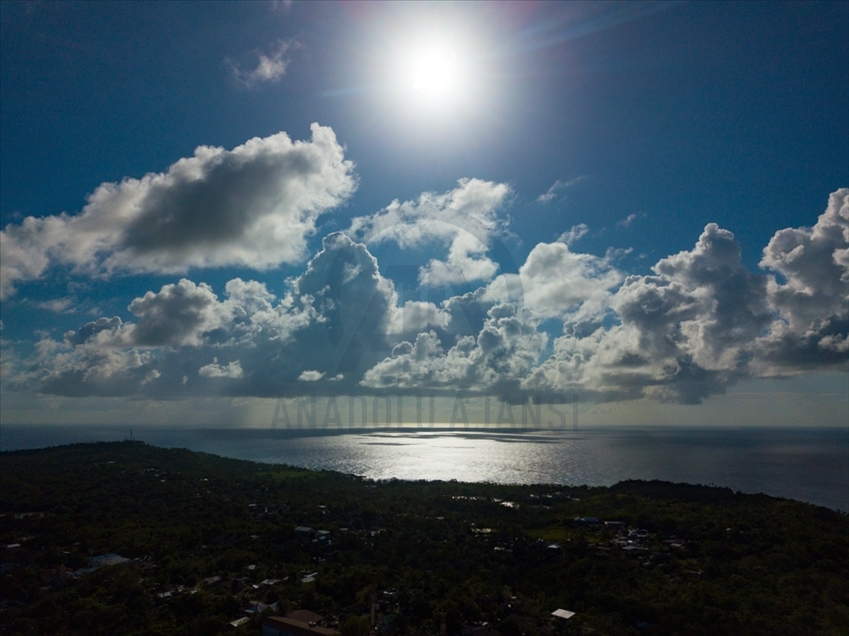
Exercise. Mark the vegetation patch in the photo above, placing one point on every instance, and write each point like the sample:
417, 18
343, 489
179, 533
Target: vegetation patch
126, 538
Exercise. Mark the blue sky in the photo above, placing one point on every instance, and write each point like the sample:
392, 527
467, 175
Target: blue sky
206, 207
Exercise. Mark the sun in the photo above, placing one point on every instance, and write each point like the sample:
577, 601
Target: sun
435, 76
434, 73
432, 76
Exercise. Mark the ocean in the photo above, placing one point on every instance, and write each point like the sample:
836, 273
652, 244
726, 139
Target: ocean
806, 464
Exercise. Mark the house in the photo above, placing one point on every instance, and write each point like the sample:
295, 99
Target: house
106, 559
258, 608
299, 623
303, 532
562, 613
305, 616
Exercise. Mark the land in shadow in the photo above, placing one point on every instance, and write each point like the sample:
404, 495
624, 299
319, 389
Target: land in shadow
127, 538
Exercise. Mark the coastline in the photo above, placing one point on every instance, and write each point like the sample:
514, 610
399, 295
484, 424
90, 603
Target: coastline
804, 464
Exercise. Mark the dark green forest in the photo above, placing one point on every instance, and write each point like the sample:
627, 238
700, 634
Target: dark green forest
206, 538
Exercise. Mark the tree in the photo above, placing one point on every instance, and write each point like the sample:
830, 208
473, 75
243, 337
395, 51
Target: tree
355, 626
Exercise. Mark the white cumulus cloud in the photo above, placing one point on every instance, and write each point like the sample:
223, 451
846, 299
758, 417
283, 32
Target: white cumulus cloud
214, 370
252, 206
464, 218
555, 281
698, 323
814, 263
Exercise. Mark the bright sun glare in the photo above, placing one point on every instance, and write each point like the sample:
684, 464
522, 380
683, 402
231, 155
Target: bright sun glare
433, 76
434, 73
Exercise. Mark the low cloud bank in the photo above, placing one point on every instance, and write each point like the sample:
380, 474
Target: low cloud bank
696, 325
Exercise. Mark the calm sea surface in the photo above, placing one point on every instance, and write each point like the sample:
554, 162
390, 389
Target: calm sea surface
806, 464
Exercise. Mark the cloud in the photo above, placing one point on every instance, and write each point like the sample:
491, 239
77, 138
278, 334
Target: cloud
90, 370
684, 333
253, 206
554, 281
785, 351
21, 255
355, 302
177, 315
731, 302
269, 68
506, 348
187, 314
464, 218
335, 321
573, 234
694, 326
814, 263
417, 317
703, 322
467, 261
628, 220
557, 187
179, 329
58, 305
812, 300
215, 370
110, 326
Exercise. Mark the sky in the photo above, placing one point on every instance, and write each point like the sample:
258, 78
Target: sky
287, 213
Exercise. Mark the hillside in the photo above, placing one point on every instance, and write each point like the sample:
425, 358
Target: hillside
206, 538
